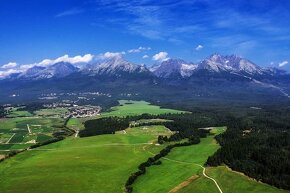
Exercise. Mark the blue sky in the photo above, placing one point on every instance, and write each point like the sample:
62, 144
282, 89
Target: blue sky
34, 30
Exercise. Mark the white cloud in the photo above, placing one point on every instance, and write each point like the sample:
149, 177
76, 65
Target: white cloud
6, 73
161, 56
199, 47
73, 60
9, 65
109, 55
281, 64
145, 56
138, 50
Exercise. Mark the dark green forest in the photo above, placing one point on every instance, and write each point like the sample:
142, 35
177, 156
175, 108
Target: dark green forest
2, 112
258, 147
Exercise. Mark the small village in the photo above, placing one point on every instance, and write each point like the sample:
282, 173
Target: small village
83, 111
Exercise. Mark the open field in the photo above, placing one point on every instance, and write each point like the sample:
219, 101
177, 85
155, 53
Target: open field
103, 163
22, 132
16, 113
131, 108
180, 173
75, 123
230, 182
125, 108
51, 112
161, 179
98, 164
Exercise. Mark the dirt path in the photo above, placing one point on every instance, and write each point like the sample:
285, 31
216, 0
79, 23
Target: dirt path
203, 172
77, 133
2, 156
183, 184
28, 128
10, 138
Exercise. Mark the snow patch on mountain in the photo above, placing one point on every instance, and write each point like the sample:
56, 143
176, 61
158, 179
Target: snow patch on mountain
174, 67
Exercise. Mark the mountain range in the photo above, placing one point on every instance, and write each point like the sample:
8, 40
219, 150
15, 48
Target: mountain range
169, 69
221, 76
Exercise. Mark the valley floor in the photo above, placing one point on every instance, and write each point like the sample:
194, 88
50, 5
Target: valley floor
103, 163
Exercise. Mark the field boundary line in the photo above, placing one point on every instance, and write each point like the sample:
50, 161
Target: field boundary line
28, 128
7, 142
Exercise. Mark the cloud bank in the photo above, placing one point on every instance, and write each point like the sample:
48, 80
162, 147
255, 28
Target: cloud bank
13, 67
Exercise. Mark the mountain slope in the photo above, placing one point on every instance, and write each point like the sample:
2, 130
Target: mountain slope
58, 70
114, 66
174, 68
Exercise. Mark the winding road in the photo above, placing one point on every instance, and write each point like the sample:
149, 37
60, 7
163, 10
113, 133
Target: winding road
204, 174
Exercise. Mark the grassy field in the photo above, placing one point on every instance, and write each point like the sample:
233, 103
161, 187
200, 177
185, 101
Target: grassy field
54, 112
131, 108
179, 166
230, 182
17, 128
75, 123
98, 164
160, 179
125, 108
16, 113
44, 122
102, 164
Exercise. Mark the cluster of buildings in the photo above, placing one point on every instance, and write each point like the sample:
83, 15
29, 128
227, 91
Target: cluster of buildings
83, 111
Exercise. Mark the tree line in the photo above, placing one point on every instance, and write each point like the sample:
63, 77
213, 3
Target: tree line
155, 160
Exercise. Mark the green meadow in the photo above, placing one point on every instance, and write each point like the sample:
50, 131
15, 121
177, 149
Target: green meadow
131, 108
52, 112
14, 131
230, 182
98, 164
75, 123
179, 173
169, 174
103, 163
16, 113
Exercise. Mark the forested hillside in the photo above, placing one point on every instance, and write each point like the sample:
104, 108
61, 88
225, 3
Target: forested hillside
258, 146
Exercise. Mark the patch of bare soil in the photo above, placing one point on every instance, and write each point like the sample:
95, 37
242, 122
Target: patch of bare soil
183, 184
2, 156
